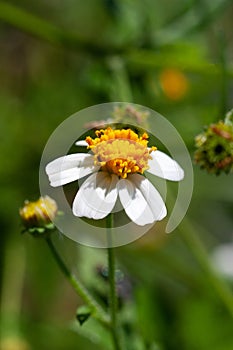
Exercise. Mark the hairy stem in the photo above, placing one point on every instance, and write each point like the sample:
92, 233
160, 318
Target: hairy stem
96, 309
112, 284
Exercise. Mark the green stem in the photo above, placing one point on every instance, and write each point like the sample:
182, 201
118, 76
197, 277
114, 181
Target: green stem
96, 309
112, 284
121, 90
224, 77
196, 246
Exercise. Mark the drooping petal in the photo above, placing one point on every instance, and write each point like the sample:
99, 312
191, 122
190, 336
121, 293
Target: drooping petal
70, 168
81, 143
97, 196
141, 201
164, 166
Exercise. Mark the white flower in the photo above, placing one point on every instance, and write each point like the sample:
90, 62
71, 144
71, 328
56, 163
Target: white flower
115, 166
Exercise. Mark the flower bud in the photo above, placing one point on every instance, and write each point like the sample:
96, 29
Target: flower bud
37, 216
215, 148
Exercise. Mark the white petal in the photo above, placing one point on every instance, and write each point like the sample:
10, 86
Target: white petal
134, 203
141, 201
164, 166
81, 143
70, 168
97, 196
151, 195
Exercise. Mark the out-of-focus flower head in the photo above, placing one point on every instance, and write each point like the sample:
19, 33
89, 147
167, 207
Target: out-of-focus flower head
124, 284
174, 83
121, 115
37, 216
223, 259
215, 147
130, 115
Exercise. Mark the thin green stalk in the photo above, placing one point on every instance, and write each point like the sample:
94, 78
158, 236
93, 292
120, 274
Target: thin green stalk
177, 16
195, 245
224, 77
121, 90
96, 309
112, 284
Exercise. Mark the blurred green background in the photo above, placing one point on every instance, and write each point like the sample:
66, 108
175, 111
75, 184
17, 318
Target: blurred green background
57, 57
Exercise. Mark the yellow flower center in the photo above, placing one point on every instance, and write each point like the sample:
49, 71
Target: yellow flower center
121, 152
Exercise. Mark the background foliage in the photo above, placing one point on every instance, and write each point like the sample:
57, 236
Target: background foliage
57, 57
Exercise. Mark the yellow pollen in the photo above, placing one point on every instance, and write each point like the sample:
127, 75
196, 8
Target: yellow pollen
121, 152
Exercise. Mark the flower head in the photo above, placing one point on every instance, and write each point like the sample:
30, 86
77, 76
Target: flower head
37, 216
131, 115
215, 148
115, 167
174, 83
120, 152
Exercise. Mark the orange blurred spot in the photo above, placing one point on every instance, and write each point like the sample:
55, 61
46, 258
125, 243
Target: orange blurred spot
174, 83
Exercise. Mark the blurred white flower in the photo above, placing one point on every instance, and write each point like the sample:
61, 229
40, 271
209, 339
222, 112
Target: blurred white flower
223, 259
